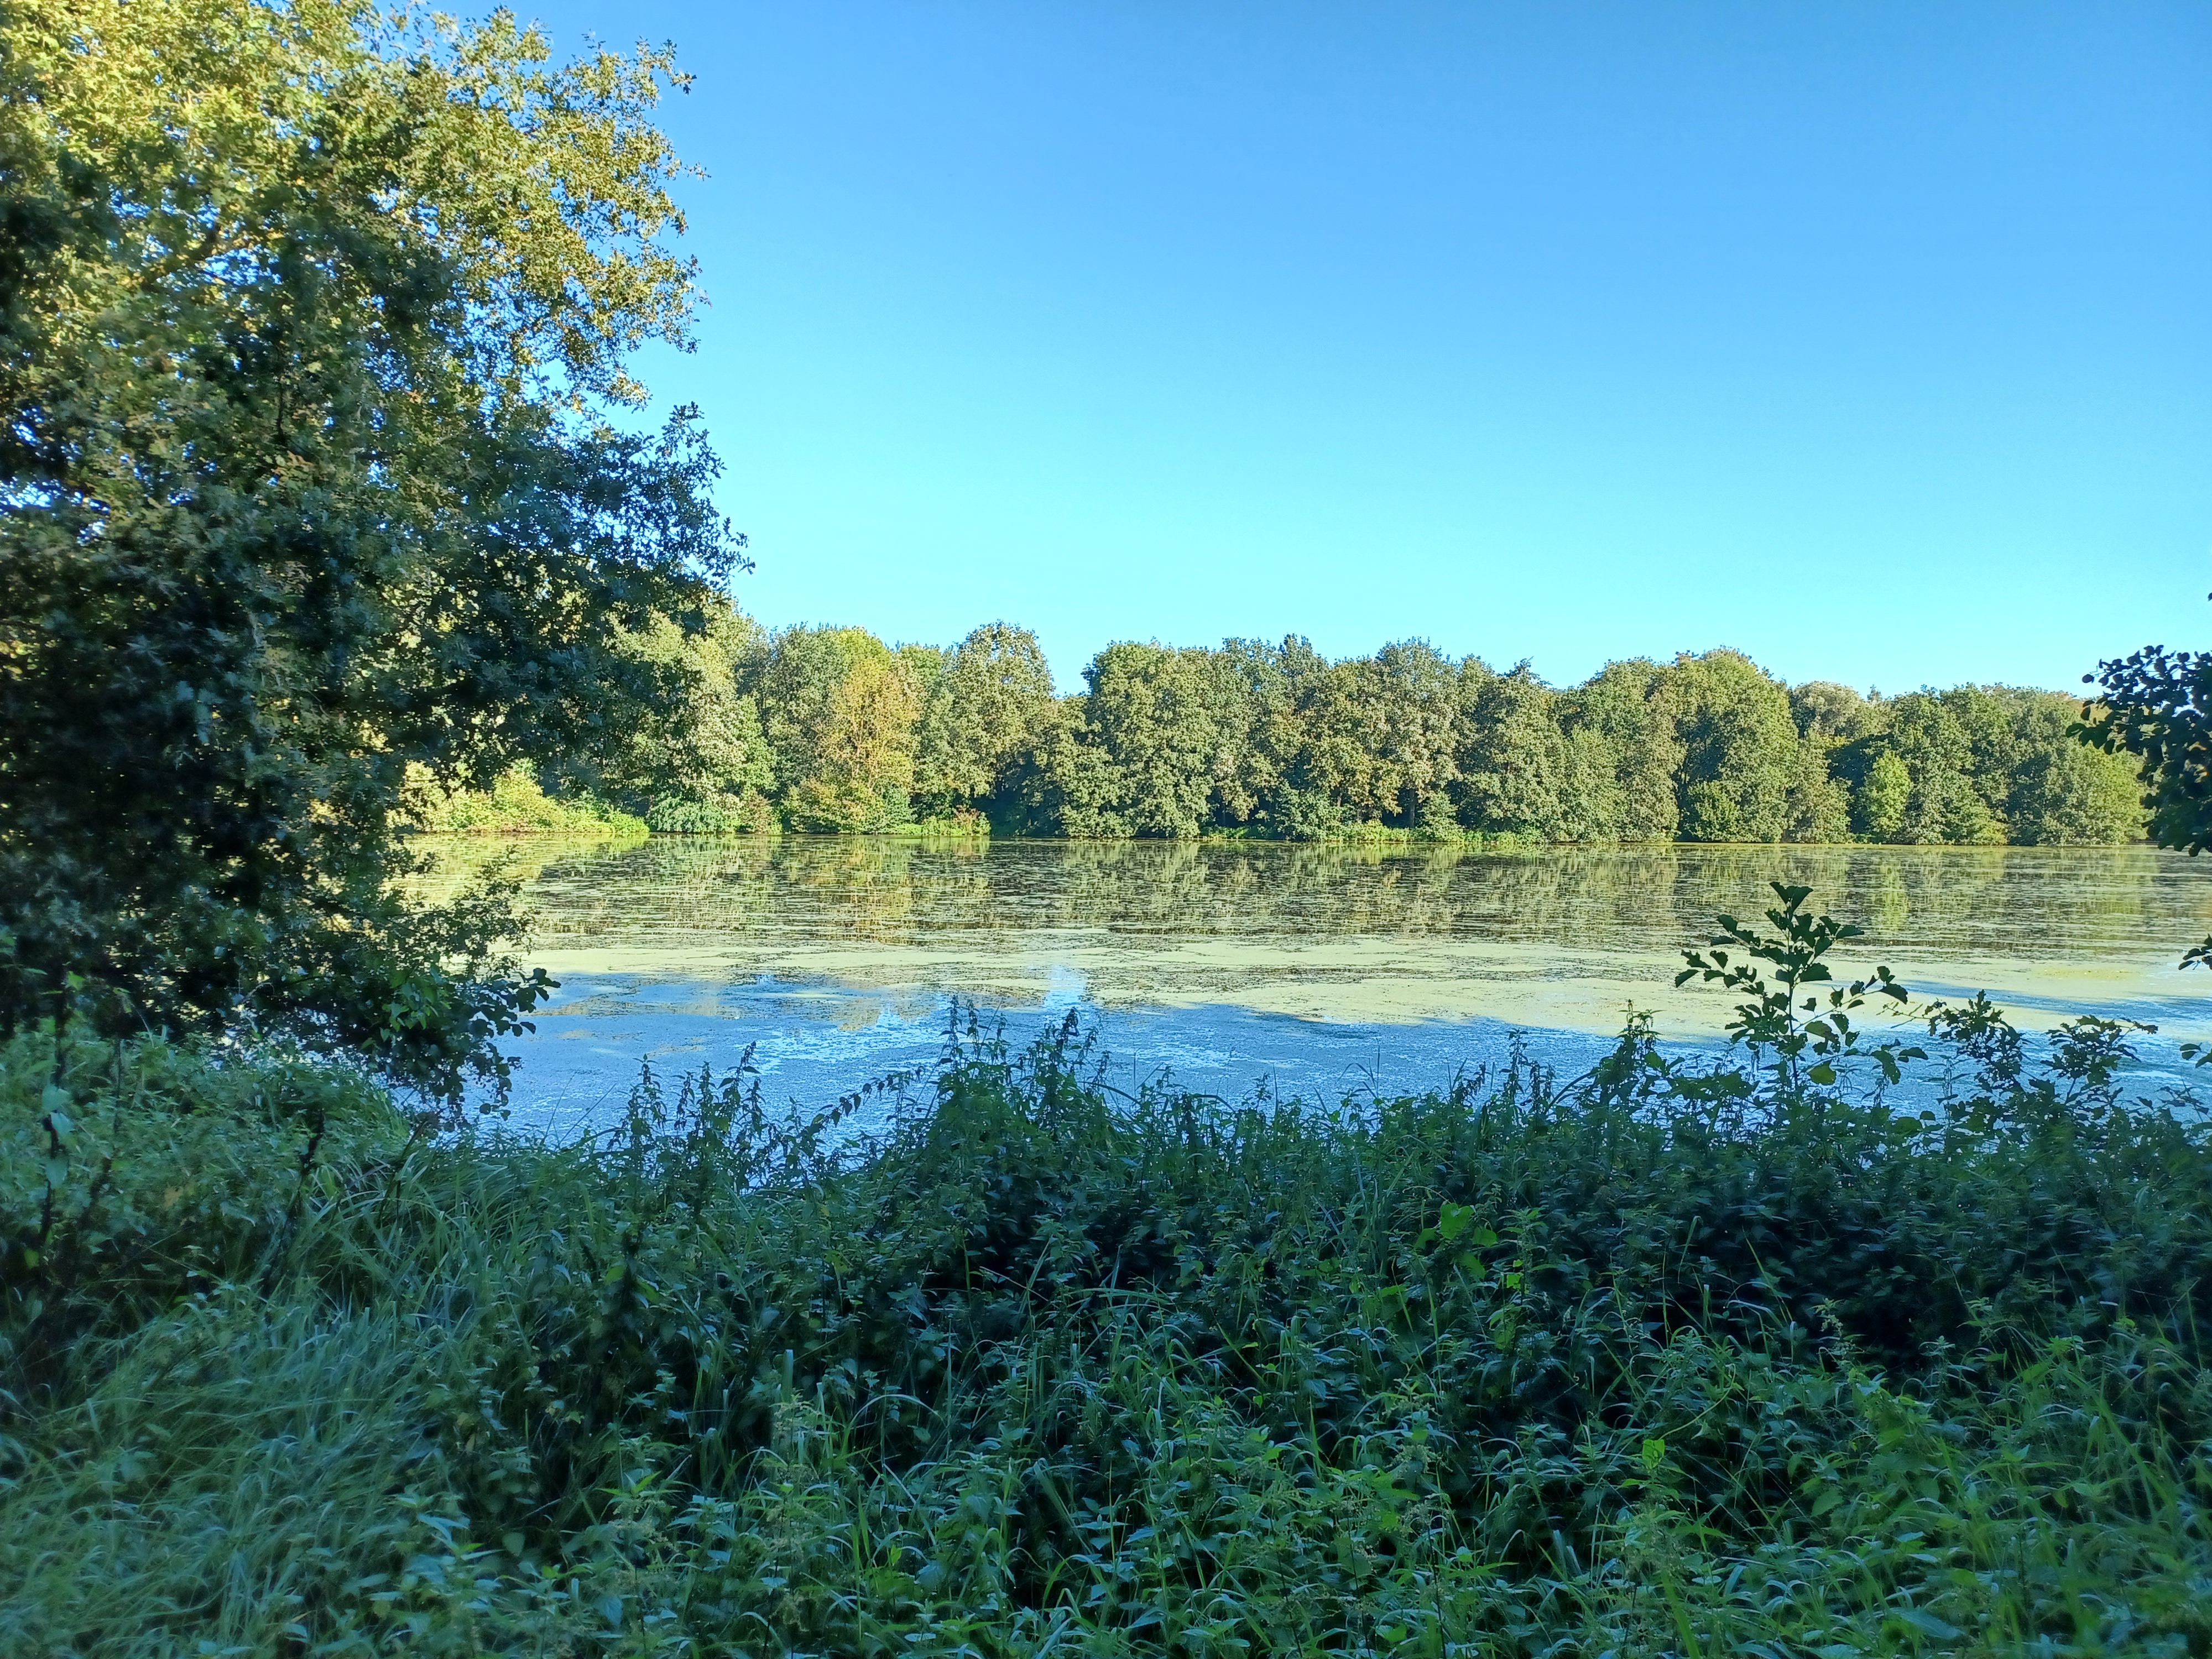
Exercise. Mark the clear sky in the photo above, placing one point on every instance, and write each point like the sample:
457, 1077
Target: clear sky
1873, 339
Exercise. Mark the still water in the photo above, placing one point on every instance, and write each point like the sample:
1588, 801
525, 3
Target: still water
1322, 970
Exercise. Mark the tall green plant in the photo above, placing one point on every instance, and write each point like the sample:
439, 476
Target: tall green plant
1810, 1038
1527, 1366
981, 717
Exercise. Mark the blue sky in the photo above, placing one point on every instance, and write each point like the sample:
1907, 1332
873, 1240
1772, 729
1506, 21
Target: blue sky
1874, 339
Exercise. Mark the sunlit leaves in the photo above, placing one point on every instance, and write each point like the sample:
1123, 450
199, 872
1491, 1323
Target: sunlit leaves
303, 314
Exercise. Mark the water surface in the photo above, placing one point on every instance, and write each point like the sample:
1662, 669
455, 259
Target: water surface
1326, 969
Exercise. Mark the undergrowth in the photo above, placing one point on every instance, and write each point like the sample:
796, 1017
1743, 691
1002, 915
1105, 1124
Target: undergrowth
1669, 1358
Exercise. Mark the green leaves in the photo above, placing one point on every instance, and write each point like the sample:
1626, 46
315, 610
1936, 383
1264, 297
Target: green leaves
1042, 1369
1454, 1222
1773, 1018
301, 489
2157, 706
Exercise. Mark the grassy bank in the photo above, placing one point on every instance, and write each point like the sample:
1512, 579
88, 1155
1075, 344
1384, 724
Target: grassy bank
1618, 1368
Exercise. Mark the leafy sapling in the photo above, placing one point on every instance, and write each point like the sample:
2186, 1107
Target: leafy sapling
2157, 706
1808, 1036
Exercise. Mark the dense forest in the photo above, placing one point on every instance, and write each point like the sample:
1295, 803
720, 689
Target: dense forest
827, 729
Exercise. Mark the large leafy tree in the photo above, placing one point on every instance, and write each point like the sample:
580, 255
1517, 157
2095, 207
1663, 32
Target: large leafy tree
1384, 731
2157, 706
1739, 748
981, 716
1152, 718
1626, 708
706, 764
843, 710
1514, 764
312, 320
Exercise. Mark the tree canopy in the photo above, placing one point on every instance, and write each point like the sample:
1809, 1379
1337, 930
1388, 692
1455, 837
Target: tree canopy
311, 322
2156, 707
1251, 739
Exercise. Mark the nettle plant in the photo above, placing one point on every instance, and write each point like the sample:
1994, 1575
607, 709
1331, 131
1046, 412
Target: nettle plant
1809, 1033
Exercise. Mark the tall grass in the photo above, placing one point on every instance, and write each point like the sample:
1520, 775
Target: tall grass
1643, 1364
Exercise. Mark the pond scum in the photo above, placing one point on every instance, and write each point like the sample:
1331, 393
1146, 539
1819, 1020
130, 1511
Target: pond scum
1670, 1358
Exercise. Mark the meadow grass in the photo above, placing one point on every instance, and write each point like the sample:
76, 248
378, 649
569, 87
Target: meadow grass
1639, 1364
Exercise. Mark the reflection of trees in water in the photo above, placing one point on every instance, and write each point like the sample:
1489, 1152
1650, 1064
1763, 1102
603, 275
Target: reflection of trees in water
1994, 900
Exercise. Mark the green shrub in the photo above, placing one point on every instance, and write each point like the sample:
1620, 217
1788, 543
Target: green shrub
516, 805
725, 815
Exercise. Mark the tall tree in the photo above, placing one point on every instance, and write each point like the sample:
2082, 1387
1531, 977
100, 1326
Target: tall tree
704, 766
2156, 705
1269, 700
1151, 723
842, 712
1513, 761
1739, 748
1945, 804
1383, 732
982, 713
304, 316
1626, 708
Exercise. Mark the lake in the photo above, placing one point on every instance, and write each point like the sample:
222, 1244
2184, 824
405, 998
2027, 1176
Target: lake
1323, 969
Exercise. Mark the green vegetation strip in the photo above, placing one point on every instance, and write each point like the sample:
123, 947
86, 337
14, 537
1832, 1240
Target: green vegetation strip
830, 729
1662, 1361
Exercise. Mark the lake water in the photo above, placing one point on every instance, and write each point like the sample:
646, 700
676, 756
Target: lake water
1324, 970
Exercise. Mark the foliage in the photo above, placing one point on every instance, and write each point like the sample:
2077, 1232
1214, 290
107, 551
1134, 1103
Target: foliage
2157, 710
1260, 739
703, 765
1381, 734
2157, 707
303, 312
1626, 710
983, 714
840, 710
1141, 760
1838, 713
1740, 746
1620, 1364
1772, 1019
513, 805
1514, 762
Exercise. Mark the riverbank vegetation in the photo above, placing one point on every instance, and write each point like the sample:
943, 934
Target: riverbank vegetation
1626, 1364
515, 804
831, 730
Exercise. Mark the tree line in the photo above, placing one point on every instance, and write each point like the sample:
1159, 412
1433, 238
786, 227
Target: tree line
831, 730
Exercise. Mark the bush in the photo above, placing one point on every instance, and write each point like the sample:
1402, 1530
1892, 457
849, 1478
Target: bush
515, 804
725, 815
